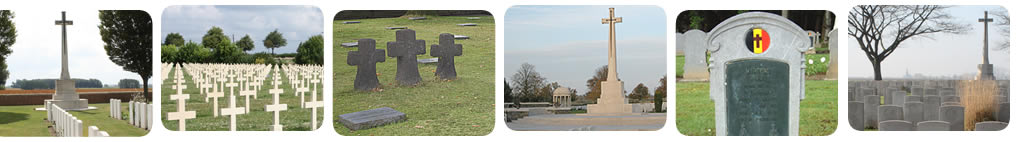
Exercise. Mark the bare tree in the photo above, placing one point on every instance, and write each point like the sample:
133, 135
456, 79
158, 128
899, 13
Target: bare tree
527, 81
1003, 26
880, 29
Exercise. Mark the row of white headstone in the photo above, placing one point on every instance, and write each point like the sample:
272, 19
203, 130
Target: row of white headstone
212, 79
115, 109
140, 114
66, 125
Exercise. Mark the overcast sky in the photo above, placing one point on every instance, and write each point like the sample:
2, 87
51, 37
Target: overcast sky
938, 54
297, 23
568, 43
37, 50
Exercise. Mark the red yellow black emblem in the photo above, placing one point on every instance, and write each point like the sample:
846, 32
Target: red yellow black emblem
757, 40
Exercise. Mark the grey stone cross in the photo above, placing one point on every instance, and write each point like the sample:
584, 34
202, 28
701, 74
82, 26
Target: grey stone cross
406, 49
446, 51
366, 58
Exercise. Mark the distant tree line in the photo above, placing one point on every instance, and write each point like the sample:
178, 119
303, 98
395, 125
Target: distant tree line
129, 83
33, 84
216, 47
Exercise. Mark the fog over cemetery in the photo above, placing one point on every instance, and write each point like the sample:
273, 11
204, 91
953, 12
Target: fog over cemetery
213, 82
951, 73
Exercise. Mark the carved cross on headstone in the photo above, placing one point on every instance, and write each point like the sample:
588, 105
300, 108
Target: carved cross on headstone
406, 49
366, 58
446, 51
276, 107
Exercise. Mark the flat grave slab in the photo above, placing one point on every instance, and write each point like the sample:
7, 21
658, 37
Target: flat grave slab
349, 44
371, 118
428, 60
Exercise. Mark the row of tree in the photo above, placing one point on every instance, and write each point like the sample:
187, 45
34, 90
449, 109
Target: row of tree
528, 85
32, 84
216, 47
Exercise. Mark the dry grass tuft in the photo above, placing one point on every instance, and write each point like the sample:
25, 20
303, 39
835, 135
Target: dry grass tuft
979, 100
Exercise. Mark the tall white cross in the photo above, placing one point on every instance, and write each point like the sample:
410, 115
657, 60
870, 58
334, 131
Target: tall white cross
276, 107
985, 38
611, 73
63, 22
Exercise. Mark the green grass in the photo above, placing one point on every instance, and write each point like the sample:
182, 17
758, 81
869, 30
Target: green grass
460, 107
294, 118
696, 115
680, 65
25, 121
818, 68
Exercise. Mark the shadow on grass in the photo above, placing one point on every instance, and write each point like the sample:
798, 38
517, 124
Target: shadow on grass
10, 117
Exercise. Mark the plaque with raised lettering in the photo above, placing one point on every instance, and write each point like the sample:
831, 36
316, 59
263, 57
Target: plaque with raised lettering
757, 92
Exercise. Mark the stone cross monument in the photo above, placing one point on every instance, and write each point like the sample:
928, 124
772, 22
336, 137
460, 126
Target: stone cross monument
611, 98
985, 70
65, 95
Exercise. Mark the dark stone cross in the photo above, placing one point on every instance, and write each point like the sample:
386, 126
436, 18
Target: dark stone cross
366, 58
406, 49
446, 51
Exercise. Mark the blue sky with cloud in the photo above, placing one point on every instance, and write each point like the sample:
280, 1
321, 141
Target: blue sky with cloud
297, 23
568, 43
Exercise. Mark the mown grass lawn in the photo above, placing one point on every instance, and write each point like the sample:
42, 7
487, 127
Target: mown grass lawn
696, 111
294, 118
434, 107
680, 65
25, 121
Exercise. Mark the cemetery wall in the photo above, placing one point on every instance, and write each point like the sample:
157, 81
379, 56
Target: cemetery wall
37, 99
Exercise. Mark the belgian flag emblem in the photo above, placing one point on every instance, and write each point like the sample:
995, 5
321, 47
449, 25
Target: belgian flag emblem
757, 40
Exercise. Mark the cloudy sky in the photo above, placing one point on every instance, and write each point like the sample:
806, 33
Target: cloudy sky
37, 50
297, 23
568, 43
938, 54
